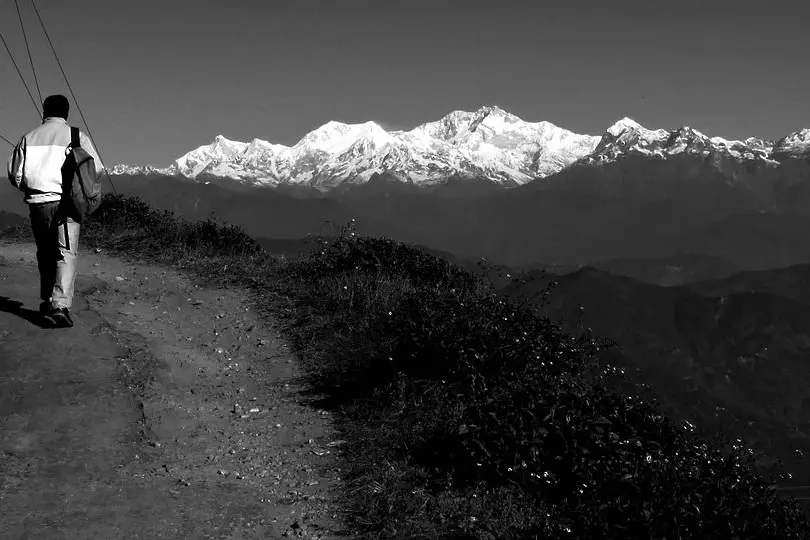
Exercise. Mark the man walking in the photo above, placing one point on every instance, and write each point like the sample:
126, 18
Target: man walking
35, 168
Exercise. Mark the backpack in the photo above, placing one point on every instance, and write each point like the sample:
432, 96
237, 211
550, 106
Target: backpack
81, 184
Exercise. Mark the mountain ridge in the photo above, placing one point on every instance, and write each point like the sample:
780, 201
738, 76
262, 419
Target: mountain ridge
488, 143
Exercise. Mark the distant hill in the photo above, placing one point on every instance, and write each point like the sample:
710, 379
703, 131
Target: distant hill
642, 207
674, 270
792, 282
735, 364
262, 212
752, 241
617, 216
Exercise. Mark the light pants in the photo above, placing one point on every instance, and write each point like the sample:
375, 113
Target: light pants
57, 239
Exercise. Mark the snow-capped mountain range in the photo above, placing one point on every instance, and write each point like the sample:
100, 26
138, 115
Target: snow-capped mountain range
488, 143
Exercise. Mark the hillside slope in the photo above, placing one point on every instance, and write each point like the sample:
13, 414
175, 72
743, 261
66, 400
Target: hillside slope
734, 363
792, 282
168, 411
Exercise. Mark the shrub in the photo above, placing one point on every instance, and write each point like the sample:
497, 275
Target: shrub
463, 393
467, 414
132, 225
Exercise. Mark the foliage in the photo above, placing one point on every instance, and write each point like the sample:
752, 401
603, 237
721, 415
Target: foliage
137, 227
466, 413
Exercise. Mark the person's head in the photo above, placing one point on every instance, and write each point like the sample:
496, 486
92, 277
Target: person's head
55, 106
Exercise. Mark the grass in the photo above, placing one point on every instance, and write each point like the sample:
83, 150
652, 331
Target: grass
466, 414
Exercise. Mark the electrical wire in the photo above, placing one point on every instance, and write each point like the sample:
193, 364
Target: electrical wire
11, 144
59, 63
8, 50
28, 48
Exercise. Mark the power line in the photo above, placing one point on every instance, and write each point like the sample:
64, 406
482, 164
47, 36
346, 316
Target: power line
28, 48
11, 144
8, 50
53, 49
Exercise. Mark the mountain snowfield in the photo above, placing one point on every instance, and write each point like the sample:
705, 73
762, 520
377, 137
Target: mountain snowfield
488, 143
627, 137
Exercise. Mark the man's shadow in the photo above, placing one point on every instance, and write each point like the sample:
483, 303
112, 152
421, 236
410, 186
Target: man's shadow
16, 308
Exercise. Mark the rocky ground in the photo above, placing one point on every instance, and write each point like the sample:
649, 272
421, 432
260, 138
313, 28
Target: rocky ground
168, 411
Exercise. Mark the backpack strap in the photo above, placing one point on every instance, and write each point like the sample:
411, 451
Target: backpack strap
74, 137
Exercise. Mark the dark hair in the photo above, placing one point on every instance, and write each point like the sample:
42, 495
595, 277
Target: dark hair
56, 105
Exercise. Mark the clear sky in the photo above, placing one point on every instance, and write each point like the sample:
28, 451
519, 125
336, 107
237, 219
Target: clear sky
156, 78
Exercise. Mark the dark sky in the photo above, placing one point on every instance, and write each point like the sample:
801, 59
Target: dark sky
158, 78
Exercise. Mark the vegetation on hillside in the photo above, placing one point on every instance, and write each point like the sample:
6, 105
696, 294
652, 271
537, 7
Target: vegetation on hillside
466, 414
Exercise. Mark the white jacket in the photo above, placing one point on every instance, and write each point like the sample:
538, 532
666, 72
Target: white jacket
35, 166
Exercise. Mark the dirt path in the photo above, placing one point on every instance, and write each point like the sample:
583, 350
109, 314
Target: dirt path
168, 411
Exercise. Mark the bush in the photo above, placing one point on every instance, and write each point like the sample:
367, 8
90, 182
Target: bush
467, 414
463, 393
130, 224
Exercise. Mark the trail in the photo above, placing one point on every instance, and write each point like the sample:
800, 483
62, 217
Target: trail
168, 411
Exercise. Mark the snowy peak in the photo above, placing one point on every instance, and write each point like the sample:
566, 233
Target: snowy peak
446, 128
227, 158
750, 148
627, 137
687, 138
334, 137
124, 169
226, 147
488, 143
796, 145
492, 138
326, 136
258, 148
221, 149
623, 125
